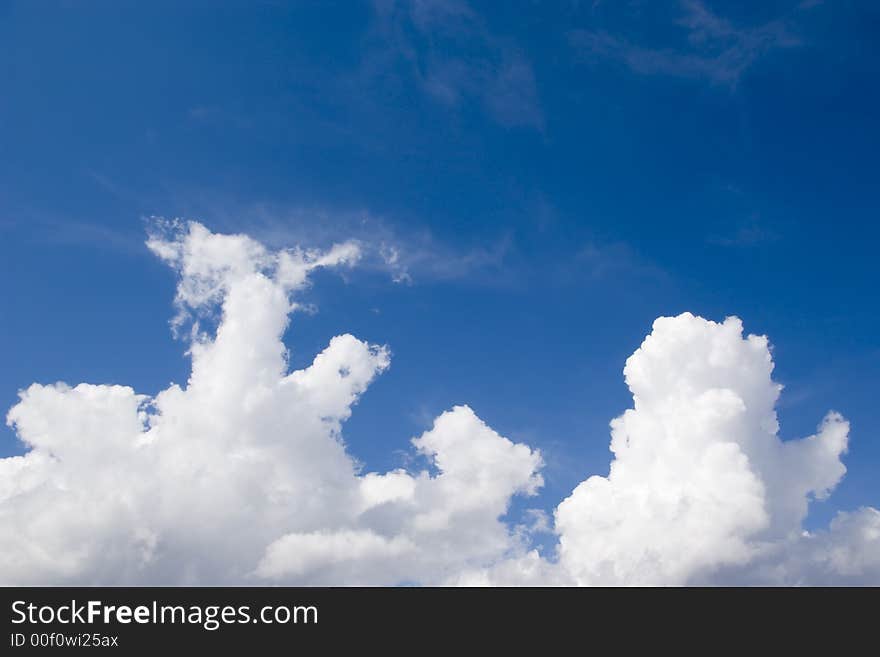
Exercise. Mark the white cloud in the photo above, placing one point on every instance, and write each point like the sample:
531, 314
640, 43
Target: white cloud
701, 489
421, 527
241, 475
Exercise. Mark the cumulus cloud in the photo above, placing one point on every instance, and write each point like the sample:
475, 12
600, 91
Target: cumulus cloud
699, 476
701, 490
241, 475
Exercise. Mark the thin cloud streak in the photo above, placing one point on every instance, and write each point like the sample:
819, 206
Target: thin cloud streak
419, 37
714, 49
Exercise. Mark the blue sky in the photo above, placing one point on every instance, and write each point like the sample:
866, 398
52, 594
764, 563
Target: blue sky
553, 176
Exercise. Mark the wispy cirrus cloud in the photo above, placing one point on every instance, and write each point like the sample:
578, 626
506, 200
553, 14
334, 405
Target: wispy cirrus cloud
750, 233
707, 46
453, 56
409, 253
